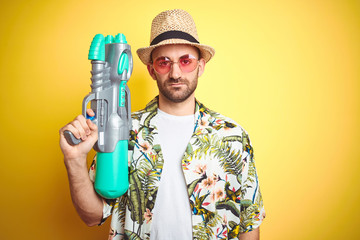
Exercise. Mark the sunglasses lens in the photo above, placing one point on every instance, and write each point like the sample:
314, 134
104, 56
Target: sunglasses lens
187, 63
162, 65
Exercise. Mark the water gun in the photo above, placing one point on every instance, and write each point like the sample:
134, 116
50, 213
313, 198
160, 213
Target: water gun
109, 98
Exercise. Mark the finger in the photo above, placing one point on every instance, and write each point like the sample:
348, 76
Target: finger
92, 126
71, 129
90, 112
79, 127
83, 122
94, 129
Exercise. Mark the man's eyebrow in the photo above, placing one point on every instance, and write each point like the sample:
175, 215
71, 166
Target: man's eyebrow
162, 57
187, 55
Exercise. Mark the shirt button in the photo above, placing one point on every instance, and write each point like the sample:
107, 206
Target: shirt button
150, 198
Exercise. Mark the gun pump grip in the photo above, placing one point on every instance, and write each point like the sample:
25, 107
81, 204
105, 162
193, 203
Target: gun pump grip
71, 139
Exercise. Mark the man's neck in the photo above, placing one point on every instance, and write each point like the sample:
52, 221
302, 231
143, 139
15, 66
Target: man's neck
184, 108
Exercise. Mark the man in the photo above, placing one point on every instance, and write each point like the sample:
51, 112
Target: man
192, 173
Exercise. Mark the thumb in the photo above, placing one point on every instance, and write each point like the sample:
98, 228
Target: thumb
93, 129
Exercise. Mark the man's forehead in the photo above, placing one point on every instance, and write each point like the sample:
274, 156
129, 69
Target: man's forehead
174, 50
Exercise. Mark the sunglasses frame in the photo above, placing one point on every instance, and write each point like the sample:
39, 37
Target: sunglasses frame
172, 63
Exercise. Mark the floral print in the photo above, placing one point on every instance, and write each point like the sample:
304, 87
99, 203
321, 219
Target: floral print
148, 215
219, 170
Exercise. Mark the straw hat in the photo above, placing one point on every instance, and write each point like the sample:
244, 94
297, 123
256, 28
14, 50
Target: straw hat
174, 27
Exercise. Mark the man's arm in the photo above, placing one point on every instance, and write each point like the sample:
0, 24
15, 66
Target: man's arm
253, 235
86, 202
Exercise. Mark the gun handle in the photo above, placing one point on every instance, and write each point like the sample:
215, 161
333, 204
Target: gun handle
71, 139
69, 136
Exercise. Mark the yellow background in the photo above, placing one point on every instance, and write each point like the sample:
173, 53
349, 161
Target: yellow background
288, 71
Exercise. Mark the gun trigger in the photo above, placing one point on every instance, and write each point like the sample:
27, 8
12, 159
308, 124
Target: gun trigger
90, 117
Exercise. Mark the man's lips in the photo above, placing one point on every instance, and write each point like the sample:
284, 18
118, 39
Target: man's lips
176, 84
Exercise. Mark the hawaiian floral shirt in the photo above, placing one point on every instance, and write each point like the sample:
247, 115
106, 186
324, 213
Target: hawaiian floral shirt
219, 170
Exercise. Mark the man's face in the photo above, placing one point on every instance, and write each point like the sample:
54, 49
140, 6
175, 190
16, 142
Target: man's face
177, 85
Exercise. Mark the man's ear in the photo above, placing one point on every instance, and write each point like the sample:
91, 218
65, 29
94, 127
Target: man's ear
202, 64
151, 71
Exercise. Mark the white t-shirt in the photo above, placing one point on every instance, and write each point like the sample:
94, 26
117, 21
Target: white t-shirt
172, 214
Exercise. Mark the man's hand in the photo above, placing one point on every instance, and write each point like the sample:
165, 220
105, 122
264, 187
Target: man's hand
253, 235
82, 129
86, 201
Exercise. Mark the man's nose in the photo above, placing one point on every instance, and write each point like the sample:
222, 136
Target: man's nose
175, 71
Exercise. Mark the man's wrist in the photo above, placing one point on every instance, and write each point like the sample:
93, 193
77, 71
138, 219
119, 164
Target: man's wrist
76, 164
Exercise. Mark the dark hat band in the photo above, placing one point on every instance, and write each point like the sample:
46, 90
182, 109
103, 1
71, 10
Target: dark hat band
173, 34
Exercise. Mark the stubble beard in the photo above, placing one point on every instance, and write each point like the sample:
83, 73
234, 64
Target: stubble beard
178, 94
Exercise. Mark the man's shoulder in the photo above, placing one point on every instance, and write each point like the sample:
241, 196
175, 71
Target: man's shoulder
149, 109
141, 117
222, 124
138, 114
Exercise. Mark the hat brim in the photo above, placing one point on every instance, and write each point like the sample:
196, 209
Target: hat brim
144, 54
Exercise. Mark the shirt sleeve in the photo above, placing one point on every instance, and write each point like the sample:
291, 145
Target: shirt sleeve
252, 211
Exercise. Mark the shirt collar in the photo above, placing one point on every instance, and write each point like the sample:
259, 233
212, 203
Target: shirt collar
200, 109
151, 108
